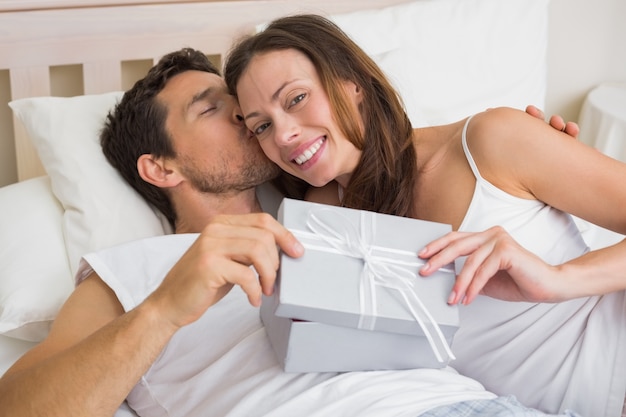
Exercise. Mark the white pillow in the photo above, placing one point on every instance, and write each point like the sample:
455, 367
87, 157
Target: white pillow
36, 277
100, 208
453, 58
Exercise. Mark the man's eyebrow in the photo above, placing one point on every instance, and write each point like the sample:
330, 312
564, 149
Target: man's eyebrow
274, 98
202, 95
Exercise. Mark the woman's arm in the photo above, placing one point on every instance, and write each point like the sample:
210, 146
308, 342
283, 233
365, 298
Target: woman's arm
526, 158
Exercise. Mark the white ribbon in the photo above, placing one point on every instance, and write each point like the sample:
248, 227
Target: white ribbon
377, 270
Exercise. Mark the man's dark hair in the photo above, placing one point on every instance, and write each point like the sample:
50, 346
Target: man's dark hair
136, 125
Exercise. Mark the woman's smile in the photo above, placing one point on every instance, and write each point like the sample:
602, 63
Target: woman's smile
306, 155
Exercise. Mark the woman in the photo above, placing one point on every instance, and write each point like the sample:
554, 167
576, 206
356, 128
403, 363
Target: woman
325, 113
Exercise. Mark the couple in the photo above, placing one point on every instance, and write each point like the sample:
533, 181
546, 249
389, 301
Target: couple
126, 331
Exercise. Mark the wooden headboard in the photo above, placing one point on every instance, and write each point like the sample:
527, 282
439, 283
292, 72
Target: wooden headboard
99, 36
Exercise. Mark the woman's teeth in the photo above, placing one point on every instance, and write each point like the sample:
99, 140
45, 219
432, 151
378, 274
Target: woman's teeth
308, 154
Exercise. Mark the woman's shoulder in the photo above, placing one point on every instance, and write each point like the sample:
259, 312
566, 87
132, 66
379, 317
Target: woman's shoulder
498, 118
500, 128
500, 141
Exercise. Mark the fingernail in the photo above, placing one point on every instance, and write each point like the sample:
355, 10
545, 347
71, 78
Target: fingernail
425, 268
452, 297
299, 248
422, 252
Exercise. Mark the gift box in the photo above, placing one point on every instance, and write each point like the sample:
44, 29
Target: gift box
305, 346
357, 289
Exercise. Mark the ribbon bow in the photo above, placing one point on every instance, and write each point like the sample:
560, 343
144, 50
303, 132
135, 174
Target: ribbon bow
378, 270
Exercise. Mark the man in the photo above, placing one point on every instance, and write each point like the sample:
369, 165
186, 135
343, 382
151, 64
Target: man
177, 137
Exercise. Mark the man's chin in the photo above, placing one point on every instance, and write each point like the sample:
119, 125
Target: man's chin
262, 172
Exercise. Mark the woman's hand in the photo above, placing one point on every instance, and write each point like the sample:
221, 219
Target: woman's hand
497, 266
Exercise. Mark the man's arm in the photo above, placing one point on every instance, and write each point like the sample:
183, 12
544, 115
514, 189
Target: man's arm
91, 359
95, 353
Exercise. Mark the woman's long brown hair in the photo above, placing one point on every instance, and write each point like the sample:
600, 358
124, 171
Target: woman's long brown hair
383, 180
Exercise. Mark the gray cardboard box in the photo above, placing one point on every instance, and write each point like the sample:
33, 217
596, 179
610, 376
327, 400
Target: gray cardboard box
360, 275
304, 346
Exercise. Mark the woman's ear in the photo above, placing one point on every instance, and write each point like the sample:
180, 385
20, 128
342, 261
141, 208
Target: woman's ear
156, 172
354, 91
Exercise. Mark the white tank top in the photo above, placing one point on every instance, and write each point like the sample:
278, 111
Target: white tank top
569, 355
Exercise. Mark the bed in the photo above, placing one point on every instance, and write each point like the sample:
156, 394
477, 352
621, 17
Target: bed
68, 62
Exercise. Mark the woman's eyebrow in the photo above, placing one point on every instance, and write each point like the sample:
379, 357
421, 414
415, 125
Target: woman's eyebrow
274, 98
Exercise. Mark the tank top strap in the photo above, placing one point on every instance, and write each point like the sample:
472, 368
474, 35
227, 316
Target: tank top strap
468, 154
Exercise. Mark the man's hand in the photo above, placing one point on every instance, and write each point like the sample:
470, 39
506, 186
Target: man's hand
556, 121
220, 258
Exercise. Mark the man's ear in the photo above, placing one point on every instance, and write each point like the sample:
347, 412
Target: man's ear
155, 171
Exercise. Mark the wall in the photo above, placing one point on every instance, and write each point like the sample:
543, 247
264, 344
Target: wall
587, 47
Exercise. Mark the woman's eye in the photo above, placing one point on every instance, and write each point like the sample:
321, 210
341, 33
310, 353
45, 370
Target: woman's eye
260, 129
297, 99
208, 110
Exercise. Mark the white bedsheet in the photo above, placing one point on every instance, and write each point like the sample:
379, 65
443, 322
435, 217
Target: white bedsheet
350, 394
10, 351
